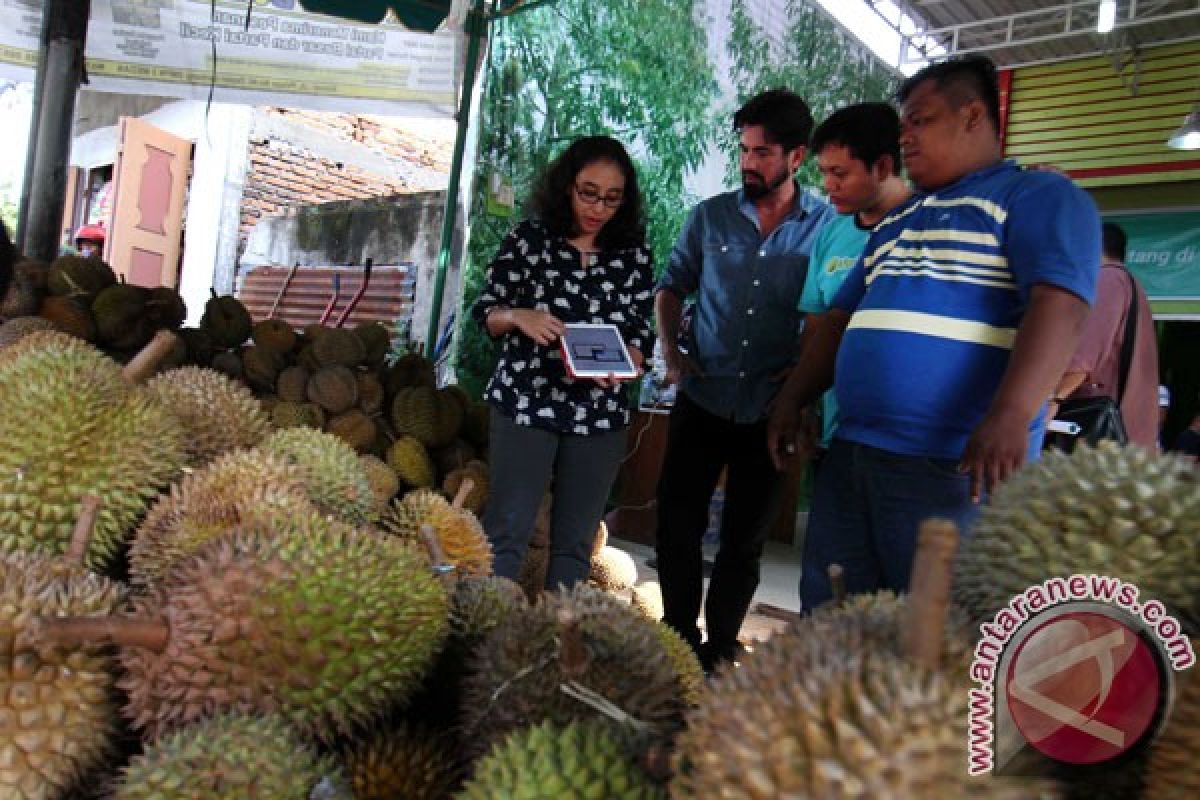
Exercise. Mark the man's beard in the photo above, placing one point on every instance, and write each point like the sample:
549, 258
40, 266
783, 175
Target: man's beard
761, 188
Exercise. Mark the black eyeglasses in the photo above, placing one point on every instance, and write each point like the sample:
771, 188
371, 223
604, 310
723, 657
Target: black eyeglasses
589, 196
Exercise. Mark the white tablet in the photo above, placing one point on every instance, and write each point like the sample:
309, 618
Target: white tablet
596, 351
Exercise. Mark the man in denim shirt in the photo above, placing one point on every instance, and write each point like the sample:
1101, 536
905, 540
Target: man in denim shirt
743, 255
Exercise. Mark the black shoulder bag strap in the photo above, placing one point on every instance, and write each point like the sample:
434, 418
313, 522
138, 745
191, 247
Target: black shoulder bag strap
1127, 340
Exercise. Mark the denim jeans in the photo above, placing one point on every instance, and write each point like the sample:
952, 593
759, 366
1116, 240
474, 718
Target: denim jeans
867, 506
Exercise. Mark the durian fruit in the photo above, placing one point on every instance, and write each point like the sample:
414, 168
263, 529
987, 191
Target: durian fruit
200, 347
536, 564
410, 761
1108, 510
463, 542
231, 756
355, 428
477, 496
613, 570
849, 702
120, 314
476, 424
296, 614
226, 320
292, 384
332, 473
297, 415
261, 367
69, 316
370, 393
1172, 773
275, 335
383, 480
455, 455
81, 278
646, 597
229, 363
216, 413
583, 637
58, 710
21, 298
682, 656
407, 456
18, 328
554, 761
411, 369
429, 415
377, 341
73, 426
334, 389
165, 308
338, 347
600, 541
209, 503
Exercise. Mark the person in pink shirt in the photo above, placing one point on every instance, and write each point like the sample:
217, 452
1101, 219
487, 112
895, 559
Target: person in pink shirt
1093, 371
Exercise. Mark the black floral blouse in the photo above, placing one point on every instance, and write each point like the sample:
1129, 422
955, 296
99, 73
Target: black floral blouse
536, 269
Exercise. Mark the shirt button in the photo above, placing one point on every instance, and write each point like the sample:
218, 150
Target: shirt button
741, 374
750, 311
745, 342
724, 248
762, 253
756, 281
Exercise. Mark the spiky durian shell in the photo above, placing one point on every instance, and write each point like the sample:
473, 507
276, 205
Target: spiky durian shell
683, 659
338, 347
370, 393
79, 277
69, 316
228, 756
292, 613
209, 503
292, 384
383, 480
333, 388
514, 675
1109, 510
58, 710
410, 762
355, 428
481, 604
463, 541
274, 334
376, 339
431, 415
613, 570
286, 414
217, 413
1172, 772
477, 471
578, 759
534, 568
18, 328
407, 456
333, 476
261, 367
71, 427
646, 597
829, 710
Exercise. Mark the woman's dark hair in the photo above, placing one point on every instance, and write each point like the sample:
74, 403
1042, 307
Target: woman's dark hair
551, 199
8, 257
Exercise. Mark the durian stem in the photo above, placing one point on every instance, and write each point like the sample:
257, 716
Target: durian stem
147, 634
464, 489
437, 558
573, 656
81, 537
143, 365
837, 582
929, 592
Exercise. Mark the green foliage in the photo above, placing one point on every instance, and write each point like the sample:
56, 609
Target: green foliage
815, 58
637, 71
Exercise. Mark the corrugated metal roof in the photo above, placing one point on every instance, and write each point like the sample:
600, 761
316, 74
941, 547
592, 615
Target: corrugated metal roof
1022, 32
388, 299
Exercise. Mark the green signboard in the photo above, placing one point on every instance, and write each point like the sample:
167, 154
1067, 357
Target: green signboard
1163, 252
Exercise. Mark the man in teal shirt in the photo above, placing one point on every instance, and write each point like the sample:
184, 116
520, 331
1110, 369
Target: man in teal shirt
858, 154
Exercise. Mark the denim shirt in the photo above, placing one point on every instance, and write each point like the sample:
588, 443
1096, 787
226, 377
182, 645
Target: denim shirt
747, 288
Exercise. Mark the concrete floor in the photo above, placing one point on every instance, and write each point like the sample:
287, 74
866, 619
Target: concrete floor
778, 591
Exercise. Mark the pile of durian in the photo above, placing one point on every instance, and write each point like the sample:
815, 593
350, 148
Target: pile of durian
196, 602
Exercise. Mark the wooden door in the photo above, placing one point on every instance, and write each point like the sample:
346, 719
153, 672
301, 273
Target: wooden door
149, 188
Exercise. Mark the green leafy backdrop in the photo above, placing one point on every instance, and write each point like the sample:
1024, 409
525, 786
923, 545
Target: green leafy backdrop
638, 71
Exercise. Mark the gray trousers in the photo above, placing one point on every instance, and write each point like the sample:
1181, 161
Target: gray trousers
523, 460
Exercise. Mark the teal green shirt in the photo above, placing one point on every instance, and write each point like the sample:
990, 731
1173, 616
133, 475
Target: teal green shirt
835, 251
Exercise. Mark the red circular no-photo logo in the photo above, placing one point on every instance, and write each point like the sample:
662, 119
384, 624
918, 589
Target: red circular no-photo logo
1083, 687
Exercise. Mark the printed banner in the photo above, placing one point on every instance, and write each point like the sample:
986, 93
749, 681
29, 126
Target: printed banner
1163, 252
281, 56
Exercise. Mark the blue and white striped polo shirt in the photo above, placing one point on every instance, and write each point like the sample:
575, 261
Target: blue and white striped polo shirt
937, 298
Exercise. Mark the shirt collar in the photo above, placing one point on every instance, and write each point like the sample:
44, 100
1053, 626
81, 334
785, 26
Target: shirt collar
1003, 165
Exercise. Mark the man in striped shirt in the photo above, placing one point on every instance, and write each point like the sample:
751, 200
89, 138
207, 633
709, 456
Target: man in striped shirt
946, 339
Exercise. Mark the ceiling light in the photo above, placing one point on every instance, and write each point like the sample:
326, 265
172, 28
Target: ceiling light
1107, 17
1188, 135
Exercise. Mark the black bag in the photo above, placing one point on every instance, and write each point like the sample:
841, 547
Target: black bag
1099, 418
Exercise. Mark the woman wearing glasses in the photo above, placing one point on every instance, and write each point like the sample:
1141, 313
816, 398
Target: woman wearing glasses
580, 257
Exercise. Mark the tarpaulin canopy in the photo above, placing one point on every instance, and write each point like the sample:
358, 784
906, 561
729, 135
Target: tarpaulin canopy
417, 15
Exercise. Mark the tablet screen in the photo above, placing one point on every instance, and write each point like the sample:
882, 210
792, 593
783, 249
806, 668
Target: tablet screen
596, 351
